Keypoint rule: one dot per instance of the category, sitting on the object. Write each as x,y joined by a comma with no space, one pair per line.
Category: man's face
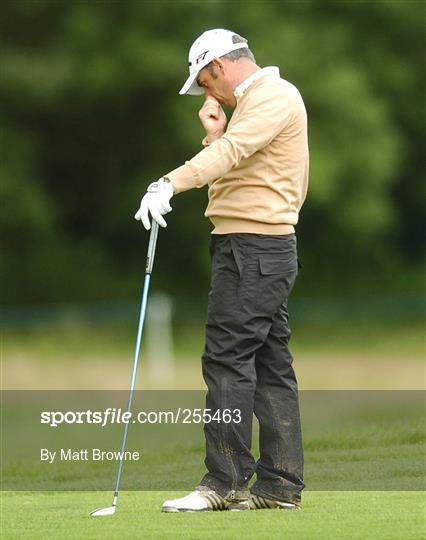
216,82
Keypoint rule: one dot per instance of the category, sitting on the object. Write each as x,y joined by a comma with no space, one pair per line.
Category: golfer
256,169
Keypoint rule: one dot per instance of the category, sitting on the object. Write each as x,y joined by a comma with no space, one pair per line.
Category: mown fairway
364,451
325,515
371,463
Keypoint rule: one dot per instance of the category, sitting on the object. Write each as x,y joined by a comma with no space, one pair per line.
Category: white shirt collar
241,89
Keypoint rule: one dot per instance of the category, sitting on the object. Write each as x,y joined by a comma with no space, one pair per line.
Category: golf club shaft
148,269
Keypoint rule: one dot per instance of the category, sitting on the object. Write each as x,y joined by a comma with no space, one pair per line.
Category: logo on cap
199,58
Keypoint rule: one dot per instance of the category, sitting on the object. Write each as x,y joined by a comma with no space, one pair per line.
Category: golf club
110,510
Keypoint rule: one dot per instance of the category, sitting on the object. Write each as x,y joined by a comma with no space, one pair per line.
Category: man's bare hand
213,118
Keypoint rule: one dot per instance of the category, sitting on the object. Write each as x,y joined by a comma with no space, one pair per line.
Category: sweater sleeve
264,115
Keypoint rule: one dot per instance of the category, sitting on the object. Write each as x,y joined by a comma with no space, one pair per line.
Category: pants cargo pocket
277,275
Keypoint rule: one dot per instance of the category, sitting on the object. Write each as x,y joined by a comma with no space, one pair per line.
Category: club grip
151,247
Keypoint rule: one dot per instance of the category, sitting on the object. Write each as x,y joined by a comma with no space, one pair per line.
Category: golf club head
109,511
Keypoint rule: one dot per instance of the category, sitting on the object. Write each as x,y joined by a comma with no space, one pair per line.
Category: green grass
362,461
352,441
353,449
58,341
325,515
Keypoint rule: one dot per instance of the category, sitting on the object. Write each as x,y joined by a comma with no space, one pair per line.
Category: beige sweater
257,171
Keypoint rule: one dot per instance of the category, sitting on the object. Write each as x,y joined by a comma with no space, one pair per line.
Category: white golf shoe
210,501
197,501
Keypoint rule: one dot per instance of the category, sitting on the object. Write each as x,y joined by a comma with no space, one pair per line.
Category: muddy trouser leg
280,466
252,276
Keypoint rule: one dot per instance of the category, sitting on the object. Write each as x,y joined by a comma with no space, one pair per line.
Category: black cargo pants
247,366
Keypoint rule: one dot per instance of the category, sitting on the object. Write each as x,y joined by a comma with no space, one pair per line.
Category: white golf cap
211,44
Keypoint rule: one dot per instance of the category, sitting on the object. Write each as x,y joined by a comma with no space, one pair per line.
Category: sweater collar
241,89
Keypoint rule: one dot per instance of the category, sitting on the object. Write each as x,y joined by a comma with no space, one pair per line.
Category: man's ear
219,64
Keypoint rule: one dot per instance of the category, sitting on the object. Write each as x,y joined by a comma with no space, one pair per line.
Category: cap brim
191,86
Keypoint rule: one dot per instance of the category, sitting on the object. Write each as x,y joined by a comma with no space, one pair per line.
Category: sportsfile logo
111,415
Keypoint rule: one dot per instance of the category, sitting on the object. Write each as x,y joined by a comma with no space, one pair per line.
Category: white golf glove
156,202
